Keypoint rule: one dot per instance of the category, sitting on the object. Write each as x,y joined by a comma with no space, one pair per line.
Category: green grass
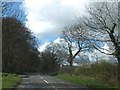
85,81
10,80
0,80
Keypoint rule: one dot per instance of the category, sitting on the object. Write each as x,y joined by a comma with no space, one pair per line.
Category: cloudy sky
47,18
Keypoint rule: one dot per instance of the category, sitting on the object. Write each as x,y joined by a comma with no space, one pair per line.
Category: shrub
102,71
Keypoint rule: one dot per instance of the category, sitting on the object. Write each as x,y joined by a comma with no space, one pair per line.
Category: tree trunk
118,73
118,59
70,60
71,64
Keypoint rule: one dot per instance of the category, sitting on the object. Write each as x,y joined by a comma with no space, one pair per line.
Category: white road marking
46,81
41,77
54,87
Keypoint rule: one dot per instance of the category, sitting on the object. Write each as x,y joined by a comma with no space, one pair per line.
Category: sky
47,18
13,9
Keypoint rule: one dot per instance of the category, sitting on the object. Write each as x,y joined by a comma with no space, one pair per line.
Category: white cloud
77,5
59,40
106,47
48,17
43,46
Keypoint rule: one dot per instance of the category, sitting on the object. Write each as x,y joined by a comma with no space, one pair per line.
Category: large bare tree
103,21
76,41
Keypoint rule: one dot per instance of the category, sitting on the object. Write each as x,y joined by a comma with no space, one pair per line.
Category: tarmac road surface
45,82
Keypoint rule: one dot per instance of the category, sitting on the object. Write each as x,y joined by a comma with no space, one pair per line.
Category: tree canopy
19,48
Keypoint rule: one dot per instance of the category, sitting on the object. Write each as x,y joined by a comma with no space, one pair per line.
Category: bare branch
102,51
78,50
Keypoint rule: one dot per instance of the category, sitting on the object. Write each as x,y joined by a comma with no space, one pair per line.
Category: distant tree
49,62
52,57
59,51
83,60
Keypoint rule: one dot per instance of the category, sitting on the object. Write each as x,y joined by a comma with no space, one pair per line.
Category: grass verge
10,80
85,81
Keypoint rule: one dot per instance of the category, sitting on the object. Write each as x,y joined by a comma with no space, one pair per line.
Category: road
45,82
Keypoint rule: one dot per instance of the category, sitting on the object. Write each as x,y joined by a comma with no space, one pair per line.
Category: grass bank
10,80
85,81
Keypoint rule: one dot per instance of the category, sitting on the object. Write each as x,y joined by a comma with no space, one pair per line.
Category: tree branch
78,50
102,51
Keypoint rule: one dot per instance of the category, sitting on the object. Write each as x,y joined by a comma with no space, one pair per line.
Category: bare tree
103,20
52,57
58,50
76,41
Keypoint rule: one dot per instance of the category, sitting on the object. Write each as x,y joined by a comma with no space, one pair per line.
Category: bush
84,81
5,74
67,69
82,70
102,71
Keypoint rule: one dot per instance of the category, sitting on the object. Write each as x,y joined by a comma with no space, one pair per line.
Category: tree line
19,50
19,47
